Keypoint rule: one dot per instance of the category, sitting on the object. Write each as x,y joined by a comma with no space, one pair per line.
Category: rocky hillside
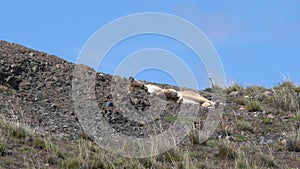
259,127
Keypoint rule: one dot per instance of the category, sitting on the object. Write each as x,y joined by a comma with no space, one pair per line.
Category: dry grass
286,97
232,146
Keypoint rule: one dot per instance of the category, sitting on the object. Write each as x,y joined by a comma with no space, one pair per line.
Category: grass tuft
226,151
3,146
253,106
267,161
244,126
4,89
293,144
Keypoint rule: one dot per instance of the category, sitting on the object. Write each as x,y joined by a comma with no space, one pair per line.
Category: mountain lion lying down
186,96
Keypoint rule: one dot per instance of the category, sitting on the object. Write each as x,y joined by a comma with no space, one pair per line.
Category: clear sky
258,41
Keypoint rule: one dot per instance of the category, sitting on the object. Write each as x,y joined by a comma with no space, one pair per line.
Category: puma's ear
131,79
136,84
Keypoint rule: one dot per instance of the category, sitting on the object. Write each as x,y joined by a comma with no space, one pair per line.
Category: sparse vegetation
3,146
227,150
244,126
253,106
239,100
286,97
267,161
234,88
293,144
4,89
237,144
240,138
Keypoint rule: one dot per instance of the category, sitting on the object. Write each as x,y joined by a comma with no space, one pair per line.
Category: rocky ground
259,126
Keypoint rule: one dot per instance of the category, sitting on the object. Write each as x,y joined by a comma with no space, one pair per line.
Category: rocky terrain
39,124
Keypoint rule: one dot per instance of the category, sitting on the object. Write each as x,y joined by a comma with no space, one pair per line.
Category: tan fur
152,89
184,96
193,96
134,83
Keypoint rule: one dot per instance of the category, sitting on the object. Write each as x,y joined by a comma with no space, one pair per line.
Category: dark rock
44,84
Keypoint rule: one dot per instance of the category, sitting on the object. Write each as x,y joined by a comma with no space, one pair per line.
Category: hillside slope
259,127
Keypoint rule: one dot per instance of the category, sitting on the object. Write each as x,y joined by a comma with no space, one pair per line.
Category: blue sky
258,41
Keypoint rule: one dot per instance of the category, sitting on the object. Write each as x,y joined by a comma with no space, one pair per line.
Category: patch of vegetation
240,138
286,97
239,100
235,143
39,142
244,126
84,136
69,164
234,88
253,106
293,144
267,120
4,89
226,151
19,132
267,161
3,146
170,118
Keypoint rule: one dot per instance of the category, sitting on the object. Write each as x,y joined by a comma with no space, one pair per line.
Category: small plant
267,121
253,107
287,85
293,144
240,138
170,118
297,89
242,161
234,88
19,132
69,164
226,151
53,160
286,97
244,126
194,137
4,89
84,136
3,146
267,160
39,142
239,100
